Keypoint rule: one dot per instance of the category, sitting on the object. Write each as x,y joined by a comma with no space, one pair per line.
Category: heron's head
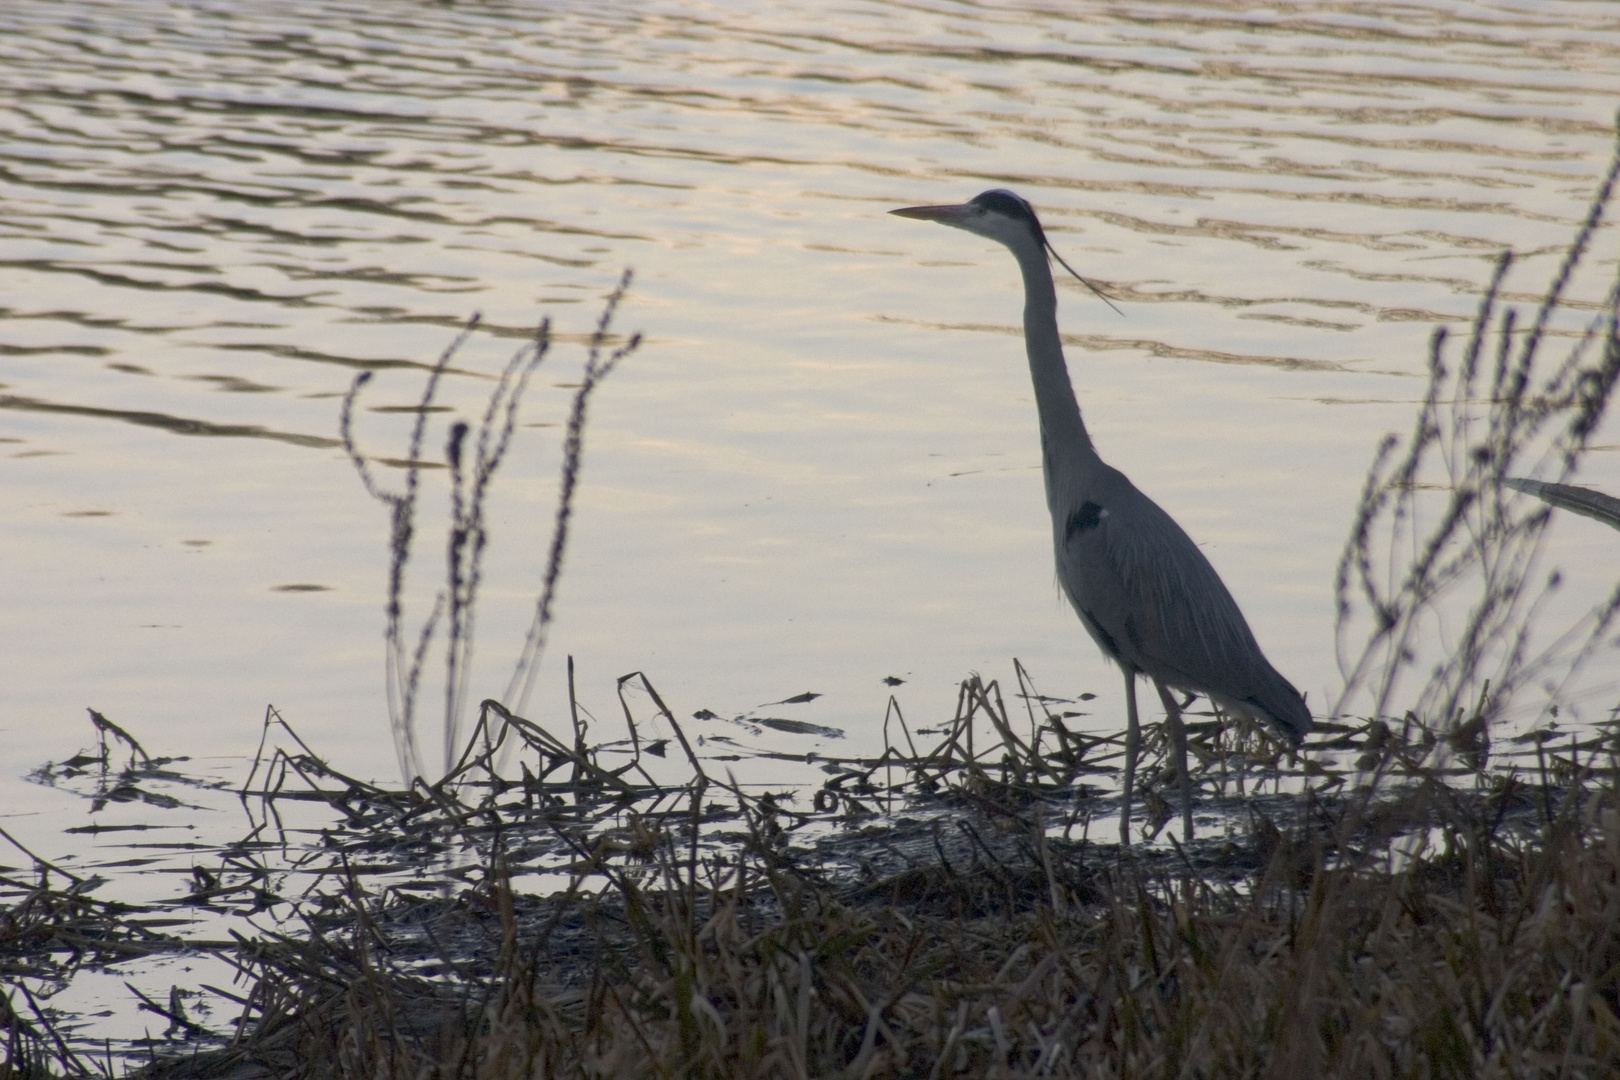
998,214
1005,218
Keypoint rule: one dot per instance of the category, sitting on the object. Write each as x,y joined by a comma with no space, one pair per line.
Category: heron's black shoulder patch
1086,518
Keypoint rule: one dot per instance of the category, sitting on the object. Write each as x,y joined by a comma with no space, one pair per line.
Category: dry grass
1460,925
1490,949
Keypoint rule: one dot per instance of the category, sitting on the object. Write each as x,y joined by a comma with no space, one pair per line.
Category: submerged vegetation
1425,892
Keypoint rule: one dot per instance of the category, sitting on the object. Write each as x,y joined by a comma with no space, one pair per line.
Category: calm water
822,469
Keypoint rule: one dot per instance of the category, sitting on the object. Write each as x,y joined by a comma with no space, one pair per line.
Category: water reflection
177,425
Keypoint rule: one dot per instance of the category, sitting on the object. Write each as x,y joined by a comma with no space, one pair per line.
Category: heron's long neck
1061,425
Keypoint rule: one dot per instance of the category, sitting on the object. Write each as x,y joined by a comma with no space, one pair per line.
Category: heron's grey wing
1141,585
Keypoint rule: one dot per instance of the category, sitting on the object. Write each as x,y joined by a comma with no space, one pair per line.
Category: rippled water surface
822,468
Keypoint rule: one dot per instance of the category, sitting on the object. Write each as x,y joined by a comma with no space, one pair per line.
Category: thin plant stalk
473,456
597,367
402,676
1410,554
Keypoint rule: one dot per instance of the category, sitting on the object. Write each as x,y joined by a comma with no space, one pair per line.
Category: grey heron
1144,592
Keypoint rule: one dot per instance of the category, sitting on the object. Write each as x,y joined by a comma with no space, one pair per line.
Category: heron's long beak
945,215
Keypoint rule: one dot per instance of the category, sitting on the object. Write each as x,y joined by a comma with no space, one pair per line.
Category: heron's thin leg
1178,744
1133,739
